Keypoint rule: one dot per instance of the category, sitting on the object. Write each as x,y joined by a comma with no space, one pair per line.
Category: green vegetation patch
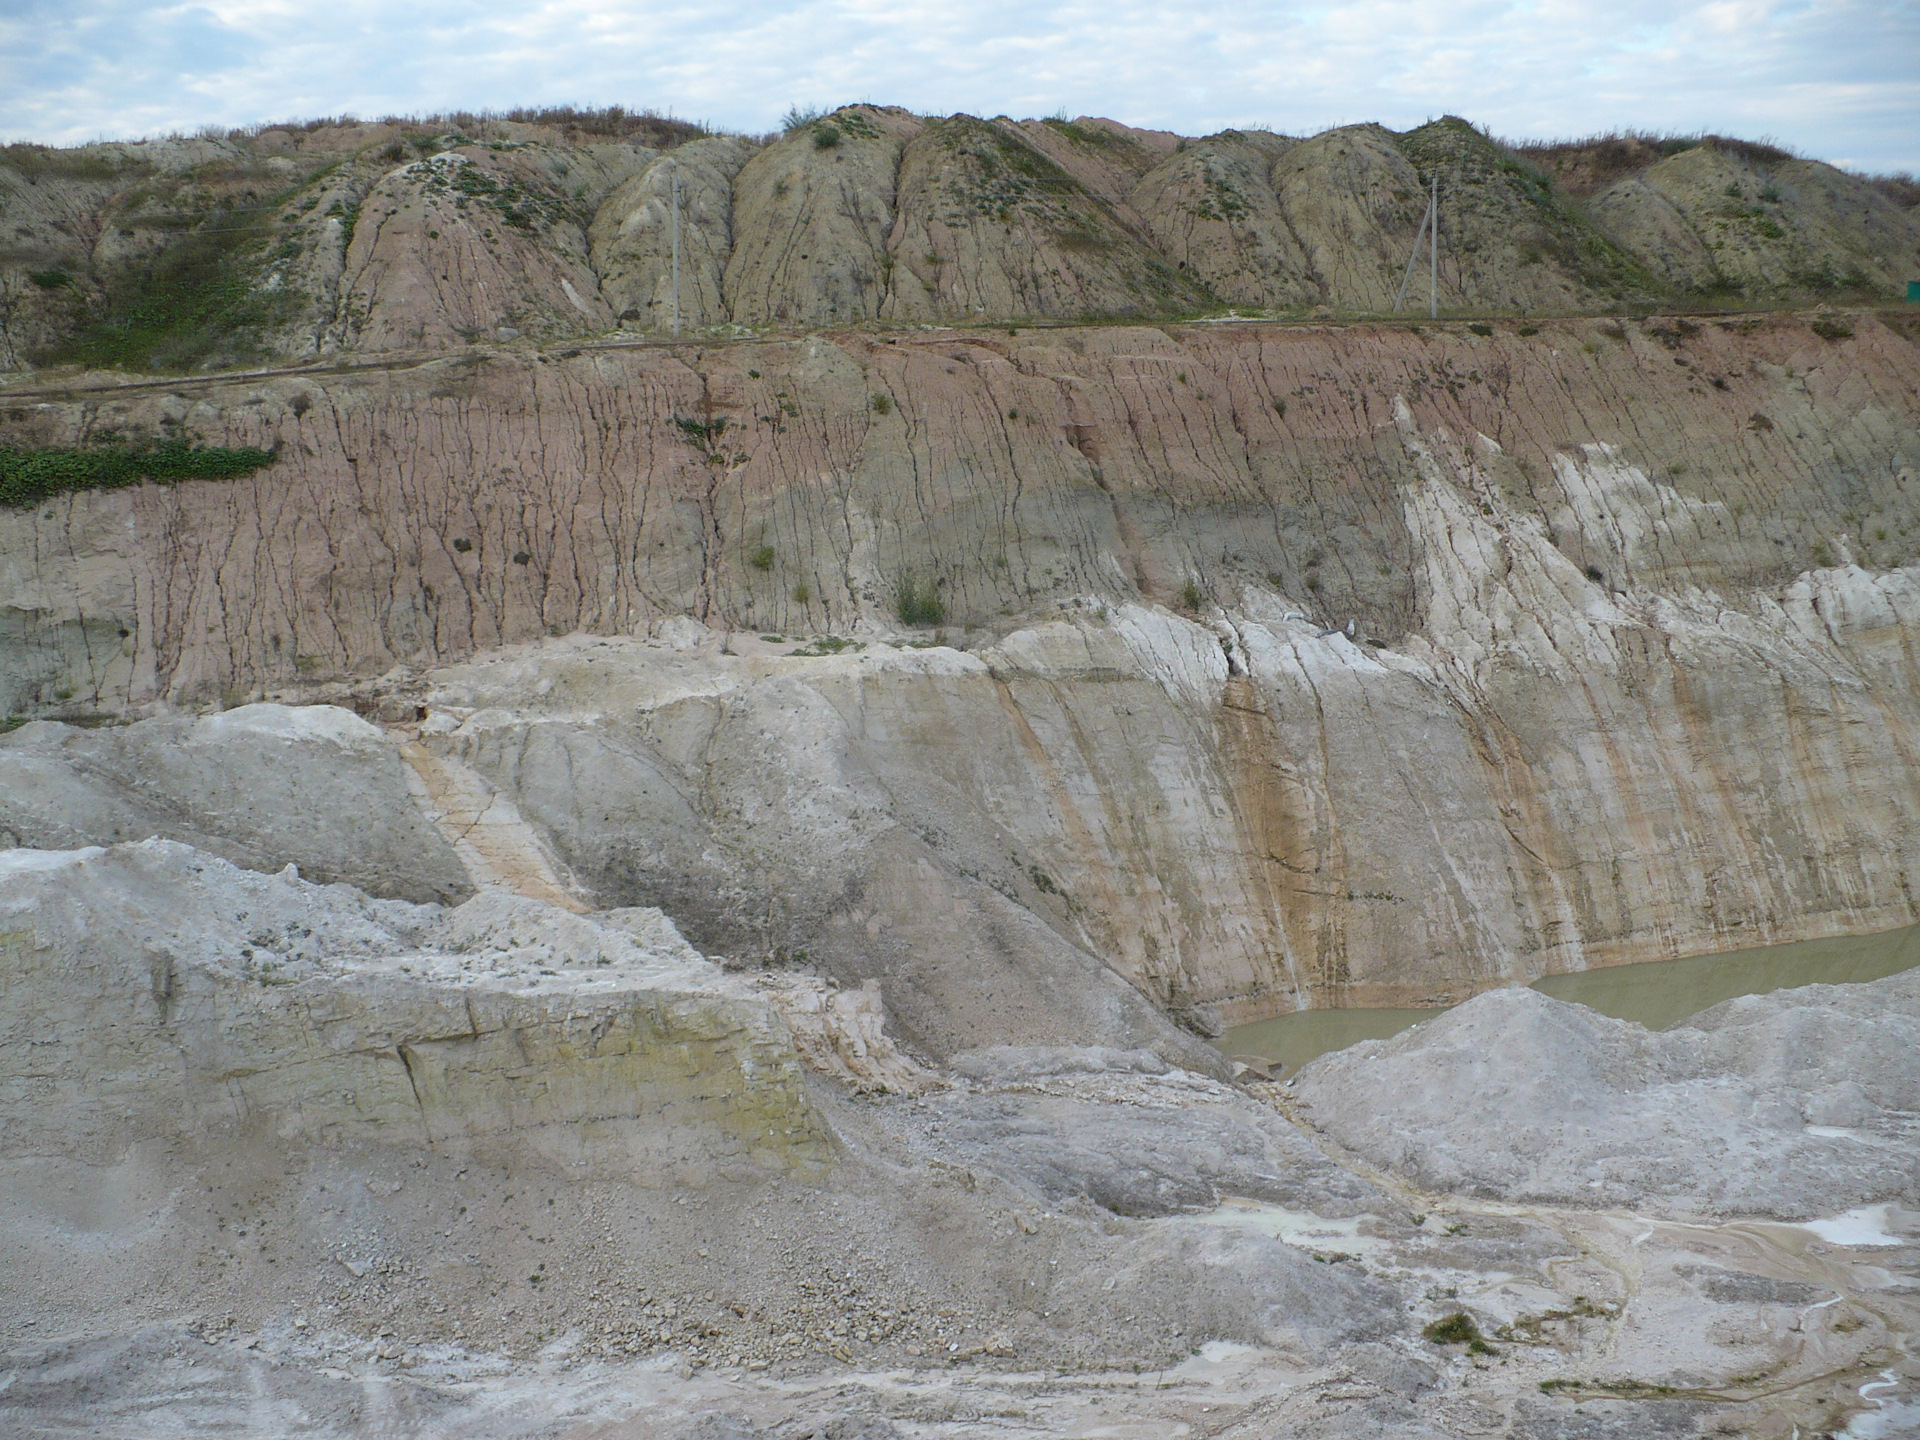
995,176
516,204
1458,1329
829,645
1223,200
918,604
1091,137
851,122
1626,1389
199,302
1005,173
29,476
35,162
1533,1329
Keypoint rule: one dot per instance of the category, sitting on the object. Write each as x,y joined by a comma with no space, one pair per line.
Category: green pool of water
1657,994
1287,1042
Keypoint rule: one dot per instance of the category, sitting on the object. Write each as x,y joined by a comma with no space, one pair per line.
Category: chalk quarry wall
1631,669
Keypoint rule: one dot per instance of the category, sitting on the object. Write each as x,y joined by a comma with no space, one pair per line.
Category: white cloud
1835,78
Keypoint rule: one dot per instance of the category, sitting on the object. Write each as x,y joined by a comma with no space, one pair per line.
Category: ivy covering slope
30,476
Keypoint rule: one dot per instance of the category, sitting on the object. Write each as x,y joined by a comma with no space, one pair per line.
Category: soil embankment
348,239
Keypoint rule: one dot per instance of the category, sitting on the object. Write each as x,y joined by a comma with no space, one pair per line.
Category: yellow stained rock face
361,1028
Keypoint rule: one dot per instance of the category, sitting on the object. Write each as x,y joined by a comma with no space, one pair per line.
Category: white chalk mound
1799,1103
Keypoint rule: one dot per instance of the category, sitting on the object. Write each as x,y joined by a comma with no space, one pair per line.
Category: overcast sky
1837,79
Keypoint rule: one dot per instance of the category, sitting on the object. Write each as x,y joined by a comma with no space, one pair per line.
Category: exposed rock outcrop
1008,806
990,228
1509,242
1620,649
462,245
1354,202
869,763
736,795
1713,219
1214,212
406,1144
1643,220
393,238
1106,157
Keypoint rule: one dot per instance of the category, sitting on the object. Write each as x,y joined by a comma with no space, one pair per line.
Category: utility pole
1433,276
673,170
1429,229
1413,258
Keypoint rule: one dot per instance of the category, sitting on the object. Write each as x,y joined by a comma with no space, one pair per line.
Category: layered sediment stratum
1264,667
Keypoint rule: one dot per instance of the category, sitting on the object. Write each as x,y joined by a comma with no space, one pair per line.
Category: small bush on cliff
30,476
918,604
1458,1329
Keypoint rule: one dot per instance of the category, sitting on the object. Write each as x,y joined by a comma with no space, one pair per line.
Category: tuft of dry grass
575,123
1900,187
1590,163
